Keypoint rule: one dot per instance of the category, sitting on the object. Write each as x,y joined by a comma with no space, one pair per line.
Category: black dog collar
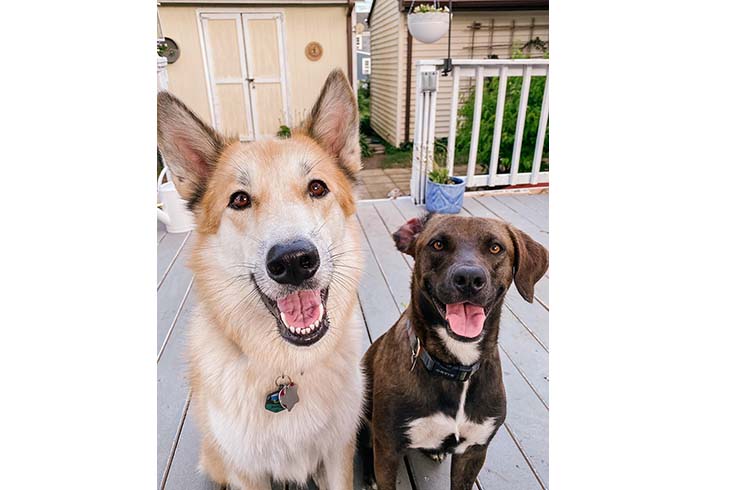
455,372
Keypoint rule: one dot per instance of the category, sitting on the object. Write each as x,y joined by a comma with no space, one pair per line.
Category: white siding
387,56
486,42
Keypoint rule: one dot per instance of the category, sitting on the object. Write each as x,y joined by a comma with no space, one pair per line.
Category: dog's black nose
292,262
469,278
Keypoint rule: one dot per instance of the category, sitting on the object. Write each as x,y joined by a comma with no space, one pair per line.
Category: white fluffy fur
236,352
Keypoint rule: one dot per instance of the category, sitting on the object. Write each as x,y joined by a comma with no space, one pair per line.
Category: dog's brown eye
437,245
240,200
495,248
317,189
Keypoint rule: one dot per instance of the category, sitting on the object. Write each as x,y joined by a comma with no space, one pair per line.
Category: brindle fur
395,394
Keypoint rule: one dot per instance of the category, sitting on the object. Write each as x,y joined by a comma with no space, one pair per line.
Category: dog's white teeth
283,319
321,313
298,330
293,330
309,329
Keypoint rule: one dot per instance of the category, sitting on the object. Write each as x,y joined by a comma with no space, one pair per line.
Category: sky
363,6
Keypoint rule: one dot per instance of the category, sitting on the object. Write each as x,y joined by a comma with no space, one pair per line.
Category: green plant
425,8
365,149
162,48
284,131
440,175
363,105
510,116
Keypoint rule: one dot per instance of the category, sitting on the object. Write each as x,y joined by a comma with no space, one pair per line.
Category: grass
398,159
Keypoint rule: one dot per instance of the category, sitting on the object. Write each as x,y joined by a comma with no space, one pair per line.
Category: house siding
386,56
463,47
302,24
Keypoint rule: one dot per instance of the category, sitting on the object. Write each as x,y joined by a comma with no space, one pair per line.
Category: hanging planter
429,23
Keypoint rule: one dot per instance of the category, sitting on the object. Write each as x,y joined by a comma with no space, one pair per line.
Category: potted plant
444,193
428,23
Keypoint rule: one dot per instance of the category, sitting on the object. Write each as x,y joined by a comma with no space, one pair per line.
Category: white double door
245,60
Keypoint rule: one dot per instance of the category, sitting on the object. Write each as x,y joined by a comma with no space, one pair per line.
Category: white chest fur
429,432
288,445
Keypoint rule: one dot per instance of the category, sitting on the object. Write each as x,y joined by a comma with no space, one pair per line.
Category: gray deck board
160,230
517,457
184,473
168,248
533,315
172,386
171,293
527,419
527,354
375,296
391,261
522,207
503,211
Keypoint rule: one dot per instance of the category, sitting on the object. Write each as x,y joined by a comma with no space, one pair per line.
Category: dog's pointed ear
530,262
190,147
335,123
405,236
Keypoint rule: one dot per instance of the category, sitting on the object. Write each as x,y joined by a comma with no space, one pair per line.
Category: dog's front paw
438,457
370,484
434,455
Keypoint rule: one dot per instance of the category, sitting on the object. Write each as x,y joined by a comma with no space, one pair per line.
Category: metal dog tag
288,396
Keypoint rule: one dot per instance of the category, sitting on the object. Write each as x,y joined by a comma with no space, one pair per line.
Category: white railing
427,84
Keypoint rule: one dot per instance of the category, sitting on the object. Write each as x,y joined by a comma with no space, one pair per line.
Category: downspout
409,68
350,44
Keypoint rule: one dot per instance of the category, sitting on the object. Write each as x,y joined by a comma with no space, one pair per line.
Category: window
358,38
366,66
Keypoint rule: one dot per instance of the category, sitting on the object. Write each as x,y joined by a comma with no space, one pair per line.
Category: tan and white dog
276,265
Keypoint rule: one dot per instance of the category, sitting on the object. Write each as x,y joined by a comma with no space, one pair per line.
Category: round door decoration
314,51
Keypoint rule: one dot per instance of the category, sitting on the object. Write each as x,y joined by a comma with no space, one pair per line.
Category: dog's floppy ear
334,123
189,146
531,260
405,236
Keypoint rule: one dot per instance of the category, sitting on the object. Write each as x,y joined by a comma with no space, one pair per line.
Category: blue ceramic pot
445,198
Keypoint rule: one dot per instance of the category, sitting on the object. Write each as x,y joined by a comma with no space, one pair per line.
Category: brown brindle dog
434,379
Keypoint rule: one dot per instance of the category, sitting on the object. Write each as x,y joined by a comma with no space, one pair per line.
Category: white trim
504,179
242,15
202,44
285,92
245,73
247,45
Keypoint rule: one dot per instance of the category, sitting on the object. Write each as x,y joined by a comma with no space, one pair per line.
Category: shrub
365,150
363,105
510,115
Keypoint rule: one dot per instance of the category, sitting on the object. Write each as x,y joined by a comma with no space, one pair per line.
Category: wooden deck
518,456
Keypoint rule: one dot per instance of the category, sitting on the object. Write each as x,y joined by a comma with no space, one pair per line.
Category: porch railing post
451,141
423,135
541,135
425,122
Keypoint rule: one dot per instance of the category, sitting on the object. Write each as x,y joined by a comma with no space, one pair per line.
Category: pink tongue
466,319
301,308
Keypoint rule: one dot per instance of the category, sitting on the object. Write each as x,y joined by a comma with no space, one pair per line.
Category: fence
427,82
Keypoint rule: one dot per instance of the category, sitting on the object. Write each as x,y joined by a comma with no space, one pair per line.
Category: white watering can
175,215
